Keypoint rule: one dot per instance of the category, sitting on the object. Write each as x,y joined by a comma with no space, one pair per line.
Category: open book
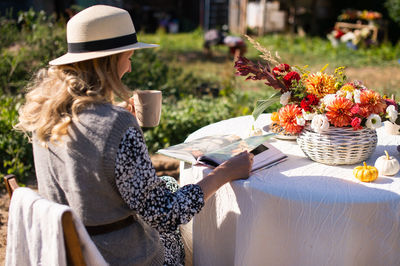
212,151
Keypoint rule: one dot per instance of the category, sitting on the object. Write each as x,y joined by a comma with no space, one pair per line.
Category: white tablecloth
298,212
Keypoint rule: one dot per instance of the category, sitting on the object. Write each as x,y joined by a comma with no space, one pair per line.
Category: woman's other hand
238,167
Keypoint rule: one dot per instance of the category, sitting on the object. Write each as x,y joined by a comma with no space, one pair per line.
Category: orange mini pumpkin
366,173
275,117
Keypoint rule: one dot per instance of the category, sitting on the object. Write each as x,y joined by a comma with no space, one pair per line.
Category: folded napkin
35,234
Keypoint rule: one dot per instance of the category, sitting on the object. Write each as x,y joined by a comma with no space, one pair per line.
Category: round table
298,212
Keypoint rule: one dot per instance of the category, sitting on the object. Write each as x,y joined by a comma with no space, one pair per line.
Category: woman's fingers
131,106
239,166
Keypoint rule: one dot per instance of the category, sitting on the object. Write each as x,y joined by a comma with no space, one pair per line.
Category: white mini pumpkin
387,165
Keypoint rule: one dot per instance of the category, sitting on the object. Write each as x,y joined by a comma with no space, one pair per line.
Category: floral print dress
159,201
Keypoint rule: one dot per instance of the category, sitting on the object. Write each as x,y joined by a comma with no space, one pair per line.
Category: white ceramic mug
148,107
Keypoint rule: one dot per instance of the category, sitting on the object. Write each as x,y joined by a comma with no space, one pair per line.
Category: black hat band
101,45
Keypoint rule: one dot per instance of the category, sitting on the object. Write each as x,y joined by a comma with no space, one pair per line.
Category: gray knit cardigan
79,172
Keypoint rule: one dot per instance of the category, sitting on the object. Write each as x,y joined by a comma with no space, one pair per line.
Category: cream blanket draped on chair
35,233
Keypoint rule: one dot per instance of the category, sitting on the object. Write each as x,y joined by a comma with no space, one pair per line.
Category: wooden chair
72,244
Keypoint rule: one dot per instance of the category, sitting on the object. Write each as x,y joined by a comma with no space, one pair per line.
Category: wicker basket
338,145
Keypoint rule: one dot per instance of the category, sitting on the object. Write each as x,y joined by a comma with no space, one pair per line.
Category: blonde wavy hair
57,94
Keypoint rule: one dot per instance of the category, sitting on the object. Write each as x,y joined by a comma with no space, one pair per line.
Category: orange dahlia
372,101
320,84
339,112
288,118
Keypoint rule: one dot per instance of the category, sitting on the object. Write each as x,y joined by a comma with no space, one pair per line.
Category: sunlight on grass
377,67
293,49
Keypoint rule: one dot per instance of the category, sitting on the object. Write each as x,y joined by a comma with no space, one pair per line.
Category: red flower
305,105
280,70
287,79
312,99
356,123
338,33
307,101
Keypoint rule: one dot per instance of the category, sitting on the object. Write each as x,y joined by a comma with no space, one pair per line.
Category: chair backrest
72,243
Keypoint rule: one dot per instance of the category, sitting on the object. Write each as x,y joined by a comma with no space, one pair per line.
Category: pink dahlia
356,123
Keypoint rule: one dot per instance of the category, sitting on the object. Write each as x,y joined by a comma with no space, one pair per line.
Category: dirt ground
163,165
4,202
383,79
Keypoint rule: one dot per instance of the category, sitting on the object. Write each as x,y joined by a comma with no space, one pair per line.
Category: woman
90,154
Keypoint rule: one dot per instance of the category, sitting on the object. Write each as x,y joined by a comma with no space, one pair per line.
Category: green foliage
319,51
27,45
9,33
181,118
393,8
15,151
175,43
263,105
151,73
14,70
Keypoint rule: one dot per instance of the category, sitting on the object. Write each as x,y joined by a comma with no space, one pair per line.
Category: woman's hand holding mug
131,106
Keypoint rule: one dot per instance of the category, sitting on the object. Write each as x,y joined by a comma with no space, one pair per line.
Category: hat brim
69,58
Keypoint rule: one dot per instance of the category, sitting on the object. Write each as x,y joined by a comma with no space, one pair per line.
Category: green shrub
44,35
9,32
14,70
15,150
393,8
151,73
181,118
29,44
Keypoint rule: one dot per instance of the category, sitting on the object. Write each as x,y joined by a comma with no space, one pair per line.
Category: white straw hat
99,31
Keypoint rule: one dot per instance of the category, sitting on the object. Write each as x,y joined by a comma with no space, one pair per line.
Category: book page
217,157
268,156
191,151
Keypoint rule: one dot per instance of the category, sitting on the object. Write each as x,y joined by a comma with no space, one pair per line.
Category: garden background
197,89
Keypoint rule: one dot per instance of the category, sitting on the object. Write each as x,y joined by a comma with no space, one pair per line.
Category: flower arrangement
352,38
352,14
364,32
320,100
